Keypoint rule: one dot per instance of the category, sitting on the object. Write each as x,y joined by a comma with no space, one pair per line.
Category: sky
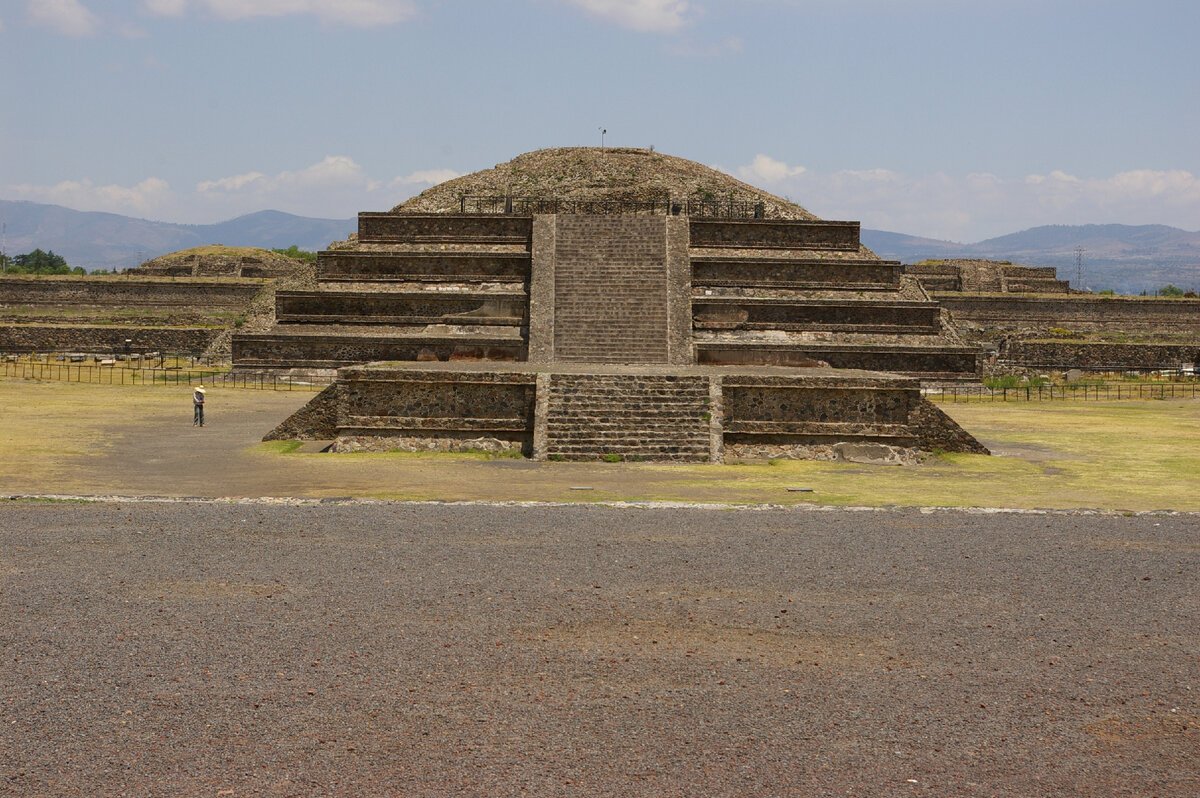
952,119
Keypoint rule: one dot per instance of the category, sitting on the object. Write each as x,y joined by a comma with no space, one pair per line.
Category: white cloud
765,169
357,13
644,16
727,46
428,177
335,172
165,8
68,17
147,199
977,206
334,187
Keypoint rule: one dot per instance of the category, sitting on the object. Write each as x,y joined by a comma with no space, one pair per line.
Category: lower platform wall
384,409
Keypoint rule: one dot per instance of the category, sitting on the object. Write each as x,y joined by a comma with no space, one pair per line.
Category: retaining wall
423,266
750,314
392,228
92,291
795,273
39,338
266,350
425,307
1076,313
1097,356
777,234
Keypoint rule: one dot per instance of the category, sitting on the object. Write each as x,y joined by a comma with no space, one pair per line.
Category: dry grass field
63,438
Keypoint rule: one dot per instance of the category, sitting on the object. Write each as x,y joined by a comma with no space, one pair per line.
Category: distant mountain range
1129,259
107,240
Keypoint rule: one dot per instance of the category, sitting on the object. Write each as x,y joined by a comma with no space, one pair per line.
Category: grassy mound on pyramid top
593,173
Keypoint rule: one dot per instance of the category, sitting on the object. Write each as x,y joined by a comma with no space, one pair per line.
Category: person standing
198,406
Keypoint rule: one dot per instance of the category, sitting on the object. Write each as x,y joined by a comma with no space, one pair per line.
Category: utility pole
1079,267
602,134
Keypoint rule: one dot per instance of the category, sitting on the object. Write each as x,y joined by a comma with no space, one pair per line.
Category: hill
107,240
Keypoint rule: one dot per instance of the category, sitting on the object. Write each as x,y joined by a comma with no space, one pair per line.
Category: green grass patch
280,447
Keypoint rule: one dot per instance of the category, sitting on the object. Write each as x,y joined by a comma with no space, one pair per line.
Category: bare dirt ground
220,648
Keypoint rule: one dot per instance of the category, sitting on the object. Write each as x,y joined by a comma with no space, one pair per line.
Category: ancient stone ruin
987,276
625,305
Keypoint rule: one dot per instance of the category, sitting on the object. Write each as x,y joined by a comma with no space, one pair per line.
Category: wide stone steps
627,417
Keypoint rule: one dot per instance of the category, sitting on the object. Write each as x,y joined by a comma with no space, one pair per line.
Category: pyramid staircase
627,417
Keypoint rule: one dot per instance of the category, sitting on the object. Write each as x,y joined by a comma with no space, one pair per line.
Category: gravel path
419,650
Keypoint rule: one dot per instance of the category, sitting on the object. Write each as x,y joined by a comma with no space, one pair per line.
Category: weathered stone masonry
613,314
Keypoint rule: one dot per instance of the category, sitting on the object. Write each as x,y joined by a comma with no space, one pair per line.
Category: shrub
299,254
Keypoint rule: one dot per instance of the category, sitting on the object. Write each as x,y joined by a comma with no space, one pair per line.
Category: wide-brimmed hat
200,388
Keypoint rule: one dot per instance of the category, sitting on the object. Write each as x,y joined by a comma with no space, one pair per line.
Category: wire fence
123,374
131,373
1064,393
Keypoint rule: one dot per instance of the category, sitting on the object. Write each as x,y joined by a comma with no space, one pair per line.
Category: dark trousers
198,416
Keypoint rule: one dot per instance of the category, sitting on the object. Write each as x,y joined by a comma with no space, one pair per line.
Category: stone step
602,447
648,431
653,406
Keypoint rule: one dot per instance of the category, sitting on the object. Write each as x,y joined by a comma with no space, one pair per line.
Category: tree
38,262
1171,291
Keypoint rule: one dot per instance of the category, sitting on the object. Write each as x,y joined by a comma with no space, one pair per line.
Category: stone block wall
424,307
1078,313
391,228
382,409
105,340
686,415
775,234
781,416
116,292
945,362
856,316
795,273
271,350
1063,355
424,400
424,266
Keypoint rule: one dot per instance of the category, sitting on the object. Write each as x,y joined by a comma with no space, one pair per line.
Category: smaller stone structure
988,276
218,261
101,314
